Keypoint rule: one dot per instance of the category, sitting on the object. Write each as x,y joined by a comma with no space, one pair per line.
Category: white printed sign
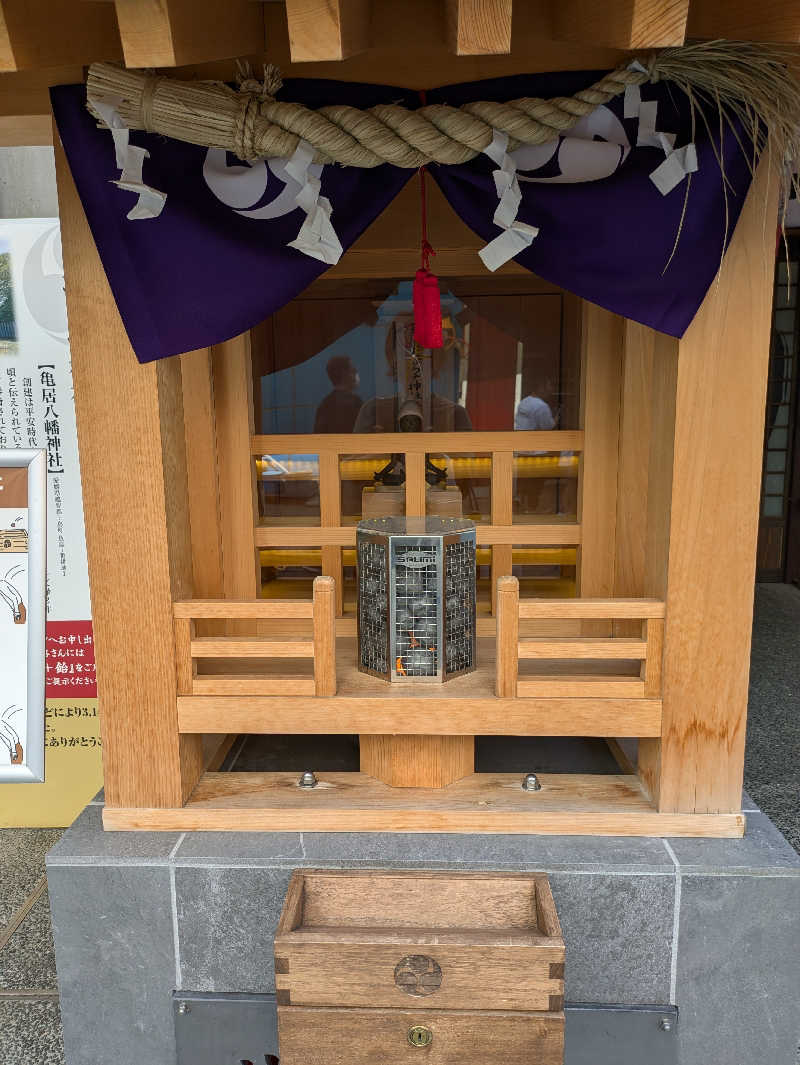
36,397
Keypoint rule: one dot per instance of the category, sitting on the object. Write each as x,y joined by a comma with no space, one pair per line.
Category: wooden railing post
502,514
324,636
651,667
184,665
507,652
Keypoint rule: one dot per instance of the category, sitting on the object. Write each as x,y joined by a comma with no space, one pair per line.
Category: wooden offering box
410,966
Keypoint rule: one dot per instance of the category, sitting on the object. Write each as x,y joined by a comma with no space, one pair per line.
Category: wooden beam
19,130
323,30
48,33
622,23
26,94
408,47
345,536
569,804
439,716
479,27
722,368
171,33
146,762
745,20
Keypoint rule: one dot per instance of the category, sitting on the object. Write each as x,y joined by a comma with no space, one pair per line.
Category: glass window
545,571
545,483
289,572
341,358
373,486
288,489
460,486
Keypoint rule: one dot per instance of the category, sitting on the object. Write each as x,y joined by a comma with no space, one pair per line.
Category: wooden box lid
427,940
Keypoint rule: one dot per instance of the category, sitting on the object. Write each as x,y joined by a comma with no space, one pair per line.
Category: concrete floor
30,1027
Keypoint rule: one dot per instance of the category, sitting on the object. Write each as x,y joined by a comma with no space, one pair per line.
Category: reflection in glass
288,489
343,359
466,490
545,483
289,572
362,496
545,571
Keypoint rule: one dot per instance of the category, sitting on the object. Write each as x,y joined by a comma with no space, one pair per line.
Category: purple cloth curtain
610,240
214,263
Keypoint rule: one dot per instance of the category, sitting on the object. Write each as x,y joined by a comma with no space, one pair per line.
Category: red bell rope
426,249
426,299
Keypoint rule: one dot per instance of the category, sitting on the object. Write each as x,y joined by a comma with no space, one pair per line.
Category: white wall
28,183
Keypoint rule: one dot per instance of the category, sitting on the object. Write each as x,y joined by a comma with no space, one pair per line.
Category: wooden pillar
200,433
715,480
133,471
238,505
601,379
415,484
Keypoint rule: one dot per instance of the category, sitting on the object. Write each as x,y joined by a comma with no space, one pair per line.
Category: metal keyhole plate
420,1036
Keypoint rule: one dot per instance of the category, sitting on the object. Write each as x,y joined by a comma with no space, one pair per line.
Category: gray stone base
711,926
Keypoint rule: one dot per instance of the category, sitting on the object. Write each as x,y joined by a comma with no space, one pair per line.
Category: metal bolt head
530,782
665,1024
307,780
184,1007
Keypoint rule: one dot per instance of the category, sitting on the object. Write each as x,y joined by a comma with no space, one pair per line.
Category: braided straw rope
254,125
748,82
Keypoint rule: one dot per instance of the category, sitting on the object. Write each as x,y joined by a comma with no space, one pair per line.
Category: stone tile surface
30,1033
738,980
22,852
114,942
239,847
618,935
763,849
226,924
492,851
28,960
85,843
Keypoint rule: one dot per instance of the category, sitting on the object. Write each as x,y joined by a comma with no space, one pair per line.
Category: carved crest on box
418,975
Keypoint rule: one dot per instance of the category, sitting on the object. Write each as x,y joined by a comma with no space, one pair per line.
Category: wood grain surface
380,1037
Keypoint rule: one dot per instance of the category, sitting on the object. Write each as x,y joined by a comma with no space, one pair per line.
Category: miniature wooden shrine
620,607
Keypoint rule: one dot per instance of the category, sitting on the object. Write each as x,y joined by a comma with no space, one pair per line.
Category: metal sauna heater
416,598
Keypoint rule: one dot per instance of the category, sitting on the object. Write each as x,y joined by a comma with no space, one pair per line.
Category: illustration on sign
22,613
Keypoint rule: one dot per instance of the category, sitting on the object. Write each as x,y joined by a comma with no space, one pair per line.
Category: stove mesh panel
417,596
373,603
459,606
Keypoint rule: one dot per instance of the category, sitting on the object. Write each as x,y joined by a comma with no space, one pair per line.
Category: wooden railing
647,648
320,646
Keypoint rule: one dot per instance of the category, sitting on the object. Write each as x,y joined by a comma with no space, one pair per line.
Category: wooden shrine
655,555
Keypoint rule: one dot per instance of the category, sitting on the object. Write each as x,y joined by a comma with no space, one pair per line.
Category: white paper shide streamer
516,236
130,160
317,236
678,162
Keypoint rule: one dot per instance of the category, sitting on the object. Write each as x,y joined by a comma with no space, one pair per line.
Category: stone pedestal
709,926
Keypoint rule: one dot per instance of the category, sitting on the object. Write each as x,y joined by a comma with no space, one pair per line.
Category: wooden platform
568,804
